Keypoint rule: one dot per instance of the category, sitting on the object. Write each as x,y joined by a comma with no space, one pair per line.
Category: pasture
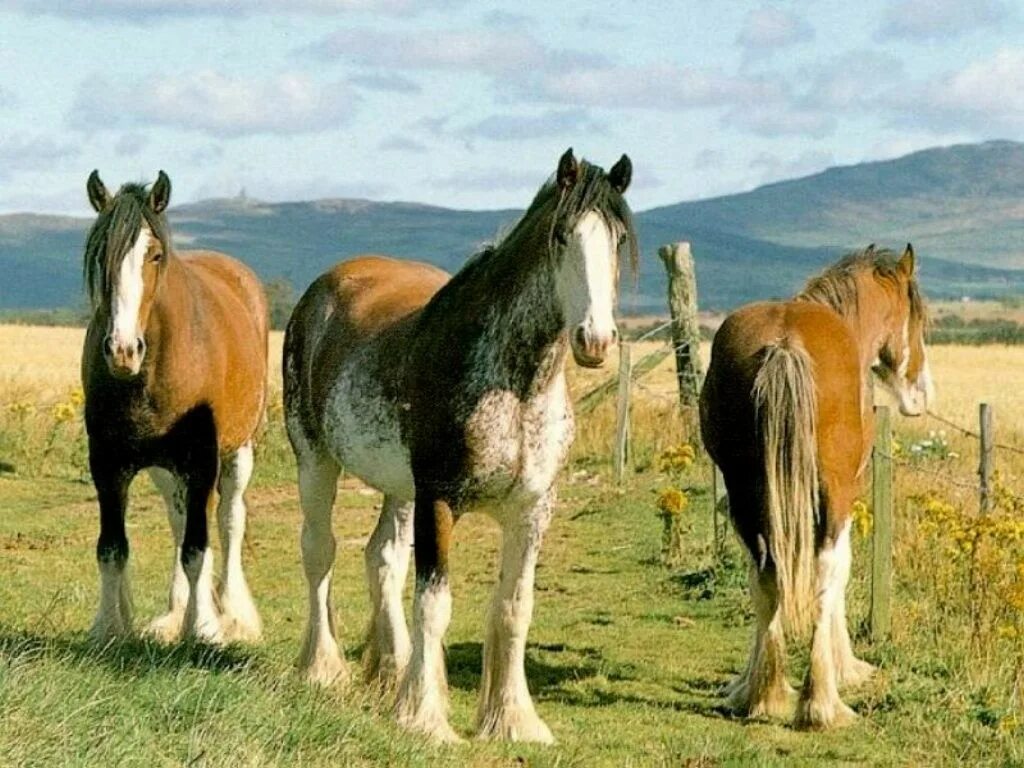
625,654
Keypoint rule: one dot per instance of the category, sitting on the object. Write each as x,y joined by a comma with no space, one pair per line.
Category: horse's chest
517,447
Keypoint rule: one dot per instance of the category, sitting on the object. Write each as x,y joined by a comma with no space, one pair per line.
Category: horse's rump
353,303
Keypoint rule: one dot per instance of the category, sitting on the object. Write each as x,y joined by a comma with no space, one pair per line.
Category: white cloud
387,82
517,127
490,51
773,120
19,153
940,19
774,168
984,95
768,28
657,86
130,144
396,143
216,104
140,10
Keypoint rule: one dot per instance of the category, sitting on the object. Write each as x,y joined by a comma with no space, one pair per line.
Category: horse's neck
521,343
870,321
171,329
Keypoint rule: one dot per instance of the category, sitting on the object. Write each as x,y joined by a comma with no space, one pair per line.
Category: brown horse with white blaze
174,370
786,413
449,396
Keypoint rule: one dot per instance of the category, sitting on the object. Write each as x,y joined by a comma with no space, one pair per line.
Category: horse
449,396
174,370
786,413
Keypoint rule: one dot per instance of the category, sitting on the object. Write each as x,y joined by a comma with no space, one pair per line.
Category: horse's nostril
579,336
615,335
108,344
140,346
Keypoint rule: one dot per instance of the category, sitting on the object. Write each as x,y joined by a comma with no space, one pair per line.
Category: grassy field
625,656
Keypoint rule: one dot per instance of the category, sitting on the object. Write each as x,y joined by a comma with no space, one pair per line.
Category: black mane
114,232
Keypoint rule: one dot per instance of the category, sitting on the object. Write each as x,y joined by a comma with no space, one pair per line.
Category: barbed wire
971,433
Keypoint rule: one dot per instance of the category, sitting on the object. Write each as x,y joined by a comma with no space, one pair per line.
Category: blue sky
469,104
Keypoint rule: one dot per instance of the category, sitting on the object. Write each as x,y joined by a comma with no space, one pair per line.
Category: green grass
625,656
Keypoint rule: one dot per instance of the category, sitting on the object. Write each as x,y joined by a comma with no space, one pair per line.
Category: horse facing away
449,396
786,413
174,370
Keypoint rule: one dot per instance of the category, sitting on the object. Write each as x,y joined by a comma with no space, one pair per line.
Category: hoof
822,716
240,621
383,671
104,631
515,724
432,725
166,628
775,702
854,672
324,669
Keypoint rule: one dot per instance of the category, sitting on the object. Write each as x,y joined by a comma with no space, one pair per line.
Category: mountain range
961,206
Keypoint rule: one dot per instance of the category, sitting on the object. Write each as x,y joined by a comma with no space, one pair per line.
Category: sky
469,104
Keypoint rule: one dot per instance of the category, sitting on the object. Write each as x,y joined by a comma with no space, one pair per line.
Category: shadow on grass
135,656
586,679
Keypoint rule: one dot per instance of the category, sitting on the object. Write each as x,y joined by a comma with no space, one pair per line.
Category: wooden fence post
985,460
621,448
881,540
682,303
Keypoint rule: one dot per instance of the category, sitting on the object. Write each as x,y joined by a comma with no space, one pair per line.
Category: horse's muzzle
589,350
124,361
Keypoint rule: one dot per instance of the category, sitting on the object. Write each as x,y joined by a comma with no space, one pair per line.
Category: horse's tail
787,417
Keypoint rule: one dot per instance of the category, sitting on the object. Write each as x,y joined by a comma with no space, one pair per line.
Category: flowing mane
115,231
563,208
836,287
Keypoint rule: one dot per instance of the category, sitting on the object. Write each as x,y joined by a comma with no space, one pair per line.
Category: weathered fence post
985,460
682,303
621,448
881,540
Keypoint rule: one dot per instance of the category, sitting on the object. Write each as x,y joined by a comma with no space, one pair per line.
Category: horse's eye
156,257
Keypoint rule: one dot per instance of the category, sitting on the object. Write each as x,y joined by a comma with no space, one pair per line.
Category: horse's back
352,305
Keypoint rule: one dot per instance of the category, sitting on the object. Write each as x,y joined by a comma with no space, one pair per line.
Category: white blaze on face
587,283
128,291
914,396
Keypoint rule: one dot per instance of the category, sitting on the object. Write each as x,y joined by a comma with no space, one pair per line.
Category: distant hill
963,207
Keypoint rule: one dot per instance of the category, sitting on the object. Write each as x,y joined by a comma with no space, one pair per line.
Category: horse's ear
870,250
568,170
98,195
621,174
160,194
906,264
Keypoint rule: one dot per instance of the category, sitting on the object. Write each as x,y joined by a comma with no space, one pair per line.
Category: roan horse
786,413
175,374
449,396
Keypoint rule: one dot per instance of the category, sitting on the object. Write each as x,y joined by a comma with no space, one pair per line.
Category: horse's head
902,364
125,257
592,225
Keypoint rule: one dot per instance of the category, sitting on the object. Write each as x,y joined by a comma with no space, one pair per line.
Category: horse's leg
319,659
765,692
387,562
168,626
239,618
820,705
114,617
506,710
201,619
423,695
850,670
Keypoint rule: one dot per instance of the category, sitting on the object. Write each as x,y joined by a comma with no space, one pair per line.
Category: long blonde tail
787,417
